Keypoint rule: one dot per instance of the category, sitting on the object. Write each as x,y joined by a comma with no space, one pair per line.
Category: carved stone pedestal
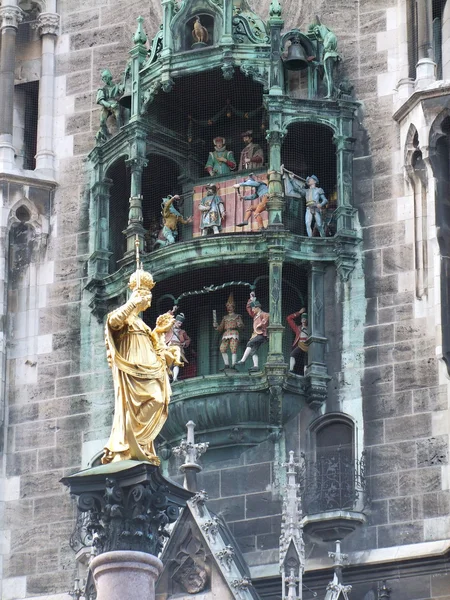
123,575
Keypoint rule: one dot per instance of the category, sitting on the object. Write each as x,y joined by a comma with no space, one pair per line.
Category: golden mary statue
140,362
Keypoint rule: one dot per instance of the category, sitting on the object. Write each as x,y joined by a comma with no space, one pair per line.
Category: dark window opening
26,123
118,211
411,26
437,23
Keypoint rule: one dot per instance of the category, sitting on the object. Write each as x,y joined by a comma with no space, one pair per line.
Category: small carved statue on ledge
229,326
261,191
260,333
212,211
107,98
298,356
199,33
178,339
171,218
331,56
140,362
221,161
316,200
252,156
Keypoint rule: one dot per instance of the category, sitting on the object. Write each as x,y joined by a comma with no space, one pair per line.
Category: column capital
10,16
48,23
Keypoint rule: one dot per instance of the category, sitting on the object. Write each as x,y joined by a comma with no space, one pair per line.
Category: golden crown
141,280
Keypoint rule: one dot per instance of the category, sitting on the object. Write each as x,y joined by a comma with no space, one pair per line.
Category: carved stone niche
190,571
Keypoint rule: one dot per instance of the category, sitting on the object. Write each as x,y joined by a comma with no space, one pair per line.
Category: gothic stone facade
391,381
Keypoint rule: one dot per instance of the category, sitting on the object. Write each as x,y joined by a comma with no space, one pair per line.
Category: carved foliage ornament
10,16
48,24
191,571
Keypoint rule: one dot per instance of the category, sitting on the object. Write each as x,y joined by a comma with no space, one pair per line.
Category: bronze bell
125,101
296,57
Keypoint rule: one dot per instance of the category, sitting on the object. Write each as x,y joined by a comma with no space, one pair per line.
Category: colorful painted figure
212,211
221,161
298,356
171,218
261,191
177,337
315,198
252,156
259,335
229,326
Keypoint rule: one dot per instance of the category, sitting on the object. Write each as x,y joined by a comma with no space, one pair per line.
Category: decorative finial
140,36
275,8
191,452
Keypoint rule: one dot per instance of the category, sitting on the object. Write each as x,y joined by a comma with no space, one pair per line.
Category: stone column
48,25
101,255
10,17
316,371
126,575
425,68
276,328
275,206
138,54
276,82
135,215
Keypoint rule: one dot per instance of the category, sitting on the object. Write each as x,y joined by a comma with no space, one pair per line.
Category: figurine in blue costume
221,161
212,211
315,198
260,192
171,218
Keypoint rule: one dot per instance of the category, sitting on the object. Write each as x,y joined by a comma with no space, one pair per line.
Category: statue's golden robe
139,360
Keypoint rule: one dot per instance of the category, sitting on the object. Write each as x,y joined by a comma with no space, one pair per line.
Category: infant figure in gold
140,361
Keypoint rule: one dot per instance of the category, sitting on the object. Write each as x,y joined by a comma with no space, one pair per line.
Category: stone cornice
441,88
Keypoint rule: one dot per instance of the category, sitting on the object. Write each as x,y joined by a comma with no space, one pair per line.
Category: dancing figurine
171,218
316,200
261,191
259,335
178,338
229,326
298,356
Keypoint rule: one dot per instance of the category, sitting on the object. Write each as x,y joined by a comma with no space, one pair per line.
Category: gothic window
331,472
440,161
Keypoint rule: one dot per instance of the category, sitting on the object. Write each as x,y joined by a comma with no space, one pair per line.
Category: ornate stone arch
439,153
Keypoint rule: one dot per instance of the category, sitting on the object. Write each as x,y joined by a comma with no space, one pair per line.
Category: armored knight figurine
298,356
171,218
259,335
221,161
252,156
212,211
229,327
315,198
261,191
107,98
176,337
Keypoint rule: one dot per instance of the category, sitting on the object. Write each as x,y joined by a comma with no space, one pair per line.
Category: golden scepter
138,263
